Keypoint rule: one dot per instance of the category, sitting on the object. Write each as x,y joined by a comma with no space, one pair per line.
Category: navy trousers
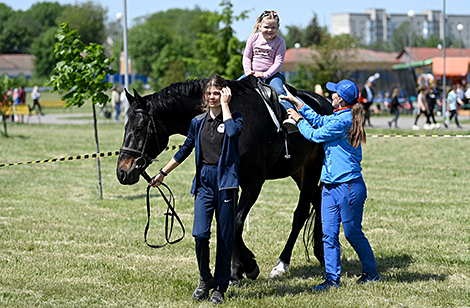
345,203
210,200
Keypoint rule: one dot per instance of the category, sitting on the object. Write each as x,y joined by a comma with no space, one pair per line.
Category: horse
155,117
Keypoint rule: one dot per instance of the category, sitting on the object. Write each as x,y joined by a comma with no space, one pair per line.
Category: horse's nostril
121,175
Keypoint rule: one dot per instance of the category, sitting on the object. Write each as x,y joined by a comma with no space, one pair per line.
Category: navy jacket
229,158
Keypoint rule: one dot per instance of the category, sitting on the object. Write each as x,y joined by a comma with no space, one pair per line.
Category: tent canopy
455,66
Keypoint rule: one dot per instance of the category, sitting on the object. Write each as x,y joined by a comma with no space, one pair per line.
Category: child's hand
291,113
288,95
259,74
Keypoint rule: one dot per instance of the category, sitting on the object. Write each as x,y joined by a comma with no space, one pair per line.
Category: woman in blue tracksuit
214,135
344,191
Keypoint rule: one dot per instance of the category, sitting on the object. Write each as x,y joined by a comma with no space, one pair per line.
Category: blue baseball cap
347,89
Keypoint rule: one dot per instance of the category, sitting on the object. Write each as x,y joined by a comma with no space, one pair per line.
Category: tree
309,36
81,74
5,101
88,19
16,36
145,46
329,63
19,29
42,15
222,51
43,49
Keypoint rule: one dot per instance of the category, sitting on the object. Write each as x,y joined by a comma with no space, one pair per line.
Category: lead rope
170,212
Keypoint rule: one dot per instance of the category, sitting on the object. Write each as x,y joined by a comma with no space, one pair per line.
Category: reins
170,212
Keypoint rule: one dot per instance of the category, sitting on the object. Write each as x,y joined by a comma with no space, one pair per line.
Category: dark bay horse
153,118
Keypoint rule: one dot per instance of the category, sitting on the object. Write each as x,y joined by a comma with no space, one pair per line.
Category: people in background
422,107
116,102
453,101
367,95
35,95
394,108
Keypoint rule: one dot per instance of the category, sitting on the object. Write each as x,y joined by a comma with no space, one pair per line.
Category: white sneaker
290,124
427,126
415,127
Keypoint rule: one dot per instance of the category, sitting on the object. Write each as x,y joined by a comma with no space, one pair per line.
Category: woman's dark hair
356,133
214,81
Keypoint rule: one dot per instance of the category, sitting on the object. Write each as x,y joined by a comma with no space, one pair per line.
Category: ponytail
356,133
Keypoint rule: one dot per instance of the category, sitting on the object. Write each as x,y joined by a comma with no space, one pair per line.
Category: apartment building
376,25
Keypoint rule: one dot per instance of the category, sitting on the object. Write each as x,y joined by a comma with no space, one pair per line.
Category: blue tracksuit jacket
342,161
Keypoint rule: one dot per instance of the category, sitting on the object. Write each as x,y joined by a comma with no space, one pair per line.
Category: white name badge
221,128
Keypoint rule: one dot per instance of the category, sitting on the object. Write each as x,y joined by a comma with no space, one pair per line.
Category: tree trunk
98,167
4,117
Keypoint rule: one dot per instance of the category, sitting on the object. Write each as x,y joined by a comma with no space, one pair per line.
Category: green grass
61,246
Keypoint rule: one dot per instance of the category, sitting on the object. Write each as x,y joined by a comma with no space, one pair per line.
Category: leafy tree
313,33
329,63
16,36
81,74
5,84
19,29
42,15
308,36
166,39
43,49
5,13
222,51
145,46
88,19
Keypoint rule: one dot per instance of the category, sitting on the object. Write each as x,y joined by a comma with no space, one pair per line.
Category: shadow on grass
290,284
136,197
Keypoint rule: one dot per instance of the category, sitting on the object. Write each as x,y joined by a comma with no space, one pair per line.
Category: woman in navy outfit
214,135
344,191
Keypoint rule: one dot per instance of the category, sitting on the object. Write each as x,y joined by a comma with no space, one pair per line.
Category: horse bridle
142,161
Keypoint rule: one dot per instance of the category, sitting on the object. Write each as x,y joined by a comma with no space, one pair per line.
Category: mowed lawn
62,246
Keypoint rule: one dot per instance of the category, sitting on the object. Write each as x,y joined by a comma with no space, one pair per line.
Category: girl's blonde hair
266,15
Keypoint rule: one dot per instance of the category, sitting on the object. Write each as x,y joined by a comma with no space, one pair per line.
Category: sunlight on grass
61,246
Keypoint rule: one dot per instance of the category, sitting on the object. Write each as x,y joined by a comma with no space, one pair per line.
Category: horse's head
144,138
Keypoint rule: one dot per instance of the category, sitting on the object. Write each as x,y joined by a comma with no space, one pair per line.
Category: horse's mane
167,98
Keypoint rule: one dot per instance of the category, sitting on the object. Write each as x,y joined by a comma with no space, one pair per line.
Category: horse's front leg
243,260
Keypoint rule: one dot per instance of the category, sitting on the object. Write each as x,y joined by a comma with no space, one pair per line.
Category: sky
291,12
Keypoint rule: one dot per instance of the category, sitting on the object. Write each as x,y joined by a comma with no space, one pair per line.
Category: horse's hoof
279,270
254,274
234,282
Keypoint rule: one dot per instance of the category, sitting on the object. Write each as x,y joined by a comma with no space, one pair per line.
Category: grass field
61,246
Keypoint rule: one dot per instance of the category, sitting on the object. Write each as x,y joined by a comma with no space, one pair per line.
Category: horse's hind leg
301,215
243,260
307,181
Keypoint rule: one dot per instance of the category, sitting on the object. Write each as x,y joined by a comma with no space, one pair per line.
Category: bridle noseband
142,159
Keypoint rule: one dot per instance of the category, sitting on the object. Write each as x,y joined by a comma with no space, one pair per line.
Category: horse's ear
138,98
128,95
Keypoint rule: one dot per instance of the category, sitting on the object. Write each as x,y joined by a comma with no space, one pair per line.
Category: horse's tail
313,228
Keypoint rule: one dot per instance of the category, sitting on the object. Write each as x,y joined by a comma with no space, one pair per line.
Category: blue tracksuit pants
210,200
344,203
